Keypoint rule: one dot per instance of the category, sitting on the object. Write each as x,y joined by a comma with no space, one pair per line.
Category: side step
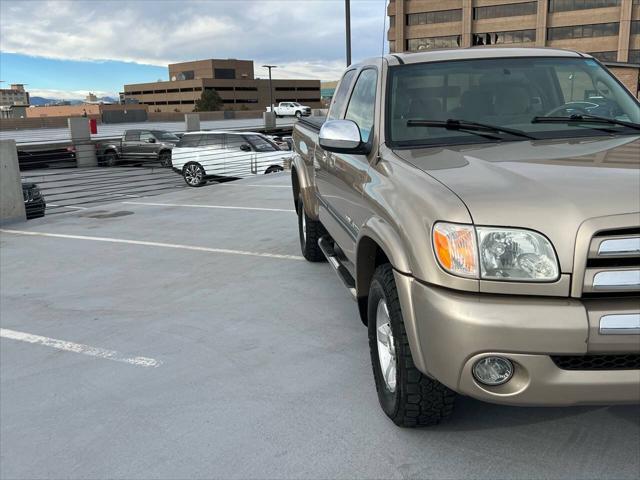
326,245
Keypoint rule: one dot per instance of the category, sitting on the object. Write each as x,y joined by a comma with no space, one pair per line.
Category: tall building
234,81
15,95
607,29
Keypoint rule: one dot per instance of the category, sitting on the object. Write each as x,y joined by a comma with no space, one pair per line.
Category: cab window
132,136
145,136
363,101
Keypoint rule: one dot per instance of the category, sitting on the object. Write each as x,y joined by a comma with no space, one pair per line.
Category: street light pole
347,14
270,85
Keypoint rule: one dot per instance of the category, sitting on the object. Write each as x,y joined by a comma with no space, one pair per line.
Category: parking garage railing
66,187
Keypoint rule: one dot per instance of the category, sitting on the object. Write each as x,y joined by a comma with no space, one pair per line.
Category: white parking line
78,348
210,206
66,206
154,244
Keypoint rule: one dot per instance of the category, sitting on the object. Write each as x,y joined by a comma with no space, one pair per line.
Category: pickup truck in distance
482,206
136,146
290,109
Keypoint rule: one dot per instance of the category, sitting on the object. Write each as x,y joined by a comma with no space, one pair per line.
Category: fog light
493,370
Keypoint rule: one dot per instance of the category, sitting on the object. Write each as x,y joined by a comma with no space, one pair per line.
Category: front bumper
35,208
449,331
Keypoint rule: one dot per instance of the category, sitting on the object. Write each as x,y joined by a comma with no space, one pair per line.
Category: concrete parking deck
182,336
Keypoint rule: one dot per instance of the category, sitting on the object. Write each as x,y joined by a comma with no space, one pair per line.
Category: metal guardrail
40,136
67,188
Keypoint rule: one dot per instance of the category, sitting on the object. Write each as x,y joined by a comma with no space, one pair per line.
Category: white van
208,155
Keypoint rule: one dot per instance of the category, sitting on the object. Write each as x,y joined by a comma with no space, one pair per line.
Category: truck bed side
305,144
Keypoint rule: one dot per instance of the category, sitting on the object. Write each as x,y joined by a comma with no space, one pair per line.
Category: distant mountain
39,101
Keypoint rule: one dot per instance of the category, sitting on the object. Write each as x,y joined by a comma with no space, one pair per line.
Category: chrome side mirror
341,136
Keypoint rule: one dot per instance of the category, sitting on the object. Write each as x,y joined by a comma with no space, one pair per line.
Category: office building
15,95
234,80
607,29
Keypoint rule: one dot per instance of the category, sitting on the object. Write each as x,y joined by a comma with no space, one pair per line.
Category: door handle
329,159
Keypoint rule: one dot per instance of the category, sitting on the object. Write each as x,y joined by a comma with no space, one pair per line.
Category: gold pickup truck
482,206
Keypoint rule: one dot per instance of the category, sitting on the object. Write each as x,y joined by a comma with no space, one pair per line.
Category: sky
64,49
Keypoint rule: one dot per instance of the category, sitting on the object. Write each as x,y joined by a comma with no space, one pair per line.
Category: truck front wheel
298,114
407,396
310,232
109,159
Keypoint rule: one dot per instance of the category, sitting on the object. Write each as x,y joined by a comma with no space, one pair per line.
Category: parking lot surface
182,336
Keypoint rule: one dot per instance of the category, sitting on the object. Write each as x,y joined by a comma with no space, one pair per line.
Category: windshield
506,92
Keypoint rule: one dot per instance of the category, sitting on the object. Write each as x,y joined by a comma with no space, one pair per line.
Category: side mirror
245,147
151,140
341,136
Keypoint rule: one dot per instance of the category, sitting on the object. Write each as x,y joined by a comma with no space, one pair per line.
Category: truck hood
547,186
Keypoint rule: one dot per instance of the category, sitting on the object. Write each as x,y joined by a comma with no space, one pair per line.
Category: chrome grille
613,263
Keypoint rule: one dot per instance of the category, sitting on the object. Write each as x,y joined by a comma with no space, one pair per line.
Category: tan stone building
607,29
92,110
234,80
15,95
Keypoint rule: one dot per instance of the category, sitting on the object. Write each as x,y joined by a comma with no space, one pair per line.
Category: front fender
378,233
304,186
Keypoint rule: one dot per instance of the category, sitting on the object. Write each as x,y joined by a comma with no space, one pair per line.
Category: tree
210,101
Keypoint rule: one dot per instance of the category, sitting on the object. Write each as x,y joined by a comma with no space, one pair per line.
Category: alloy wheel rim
193,175
386,346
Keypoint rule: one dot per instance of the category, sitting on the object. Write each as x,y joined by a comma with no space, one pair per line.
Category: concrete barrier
81,139
11,199
191,122
269,119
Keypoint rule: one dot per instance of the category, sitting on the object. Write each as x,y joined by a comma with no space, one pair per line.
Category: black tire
298,114
416,400
165,159
194,174
109,159
310,232
274,169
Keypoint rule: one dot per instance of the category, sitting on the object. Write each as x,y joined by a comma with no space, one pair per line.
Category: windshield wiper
585,118
464,125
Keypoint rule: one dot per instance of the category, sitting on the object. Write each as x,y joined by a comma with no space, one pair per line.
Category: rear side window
260,144
235,141
189,141
340,96
212,141
362,104
132,136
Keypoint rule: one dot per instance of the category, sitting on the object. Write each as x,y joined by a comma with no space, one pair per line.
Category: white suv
202,156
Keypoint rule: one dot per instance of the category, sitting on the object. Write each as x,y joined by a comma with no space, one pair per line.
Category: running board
326,246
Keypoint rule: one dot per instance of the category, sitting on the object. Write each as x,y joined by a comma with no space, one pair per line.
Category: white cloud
304,37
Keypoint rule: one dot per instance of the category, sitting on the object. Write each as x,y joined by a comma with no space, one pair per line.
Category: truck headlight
507,254
493,253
